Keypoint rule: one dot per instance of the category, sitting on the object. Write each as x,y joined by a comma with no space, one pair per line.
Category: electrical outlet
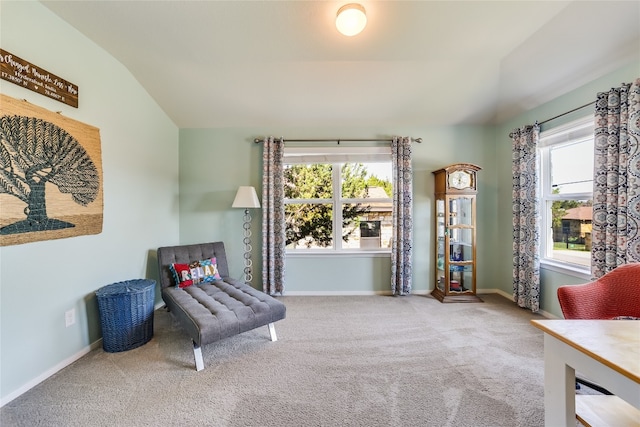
70,317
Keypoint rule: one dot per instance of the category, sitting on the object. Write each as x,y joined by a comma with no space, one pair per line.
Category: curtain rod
338,140
568,112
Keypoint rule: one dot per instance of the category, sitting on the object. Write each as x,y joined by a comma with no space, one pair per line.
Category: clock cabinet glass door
441,228
455,234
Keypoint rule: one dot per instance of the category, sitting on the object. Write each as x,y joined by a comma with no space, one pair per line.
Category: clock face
460,179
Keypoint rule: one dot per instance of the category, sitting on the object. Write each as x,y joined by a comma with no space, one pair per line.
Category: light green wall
205,201
214,162
40,281
549,280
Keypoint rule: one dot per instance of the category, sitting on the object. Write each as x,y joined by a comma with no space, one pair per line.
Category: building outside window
566,154
338,199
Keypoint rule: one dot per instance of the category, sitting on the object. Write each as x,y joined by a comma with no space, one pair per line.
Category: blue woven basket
126,314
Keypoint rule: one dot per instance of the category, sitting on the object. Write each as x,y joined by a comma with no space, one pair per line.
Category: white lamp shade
246,197
351,19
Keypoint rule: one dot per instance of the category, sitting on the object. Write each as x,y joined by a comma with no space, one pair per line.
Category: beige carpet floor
339,361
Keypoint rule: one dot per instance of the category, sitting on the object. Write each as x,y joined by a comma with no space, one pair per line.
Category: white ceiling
283,63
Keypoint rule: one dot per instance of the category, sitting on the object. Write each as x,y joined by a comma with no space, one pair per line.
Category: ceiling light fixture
351,19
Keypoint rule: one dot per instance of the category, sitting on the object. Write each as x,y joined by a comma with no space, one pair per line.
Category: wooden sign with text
23,73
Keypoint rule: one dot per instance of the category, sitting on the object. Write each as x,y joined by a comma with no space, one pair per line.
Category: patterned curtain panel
526,217
616,183
273,220
402,234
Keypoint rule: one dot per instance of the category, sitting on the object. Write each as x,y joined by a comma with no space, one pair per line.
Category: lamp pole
246,198
248,263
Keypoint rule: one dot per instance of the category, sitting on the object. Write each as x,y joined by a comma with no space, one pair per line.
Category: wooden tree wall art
50,175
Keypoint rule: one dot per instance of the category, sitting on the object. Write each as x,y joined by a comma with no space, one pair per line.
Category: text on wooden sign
23,73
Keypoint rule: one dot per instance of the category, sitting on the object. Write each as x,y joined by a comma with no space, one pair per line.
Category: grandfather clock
455,213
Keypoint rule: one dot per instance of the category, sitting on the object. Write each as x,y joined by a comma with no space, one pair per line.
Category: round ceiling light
351,19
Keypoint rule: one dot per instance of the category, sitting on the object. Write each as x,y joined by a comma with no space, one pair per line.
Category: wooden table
605,351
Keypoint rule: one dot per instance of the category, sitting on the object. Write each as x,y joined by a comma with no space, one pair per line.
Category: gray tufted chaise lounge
214,310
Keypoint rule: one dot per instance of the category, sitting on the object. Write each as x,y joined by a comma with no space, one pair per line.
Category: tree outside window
327,200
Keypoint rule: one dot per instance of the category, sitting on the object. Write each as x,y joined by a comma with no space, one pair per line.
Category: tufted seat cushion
220,309
211,311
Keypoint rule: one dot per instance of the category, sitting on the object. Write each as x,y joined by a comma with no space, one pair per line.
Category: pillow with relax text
195,272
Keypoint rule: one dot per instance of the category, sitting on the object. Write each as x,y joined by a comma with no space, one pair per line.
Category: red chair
612,296
616,294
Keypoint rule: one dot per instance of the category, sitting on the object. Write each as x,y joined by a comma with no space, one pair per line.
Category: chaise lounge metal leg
197,353
272,332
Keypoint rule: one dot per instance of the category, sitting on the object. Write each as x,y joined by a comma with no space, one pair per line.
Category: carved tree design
34,152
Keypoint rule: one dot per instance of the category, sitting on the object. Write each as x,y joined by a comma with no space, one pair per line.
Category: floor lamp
246,198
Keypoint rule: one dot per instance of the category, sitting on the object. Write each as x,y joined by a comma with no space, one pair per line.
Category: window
567,195
338,199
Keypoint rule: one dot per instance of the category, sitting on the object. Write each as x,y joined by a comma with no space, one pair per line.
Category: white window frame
336,156
578,130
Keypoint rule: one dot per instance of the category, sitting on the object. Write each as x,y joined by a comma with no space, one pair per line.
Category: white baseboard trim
346,293
510,298
34,382
66,362
333,293
365,293
494,291
548,315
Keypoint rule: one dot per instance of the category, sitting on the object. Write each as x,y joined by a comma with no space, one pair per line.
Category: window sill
565,268
353,254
